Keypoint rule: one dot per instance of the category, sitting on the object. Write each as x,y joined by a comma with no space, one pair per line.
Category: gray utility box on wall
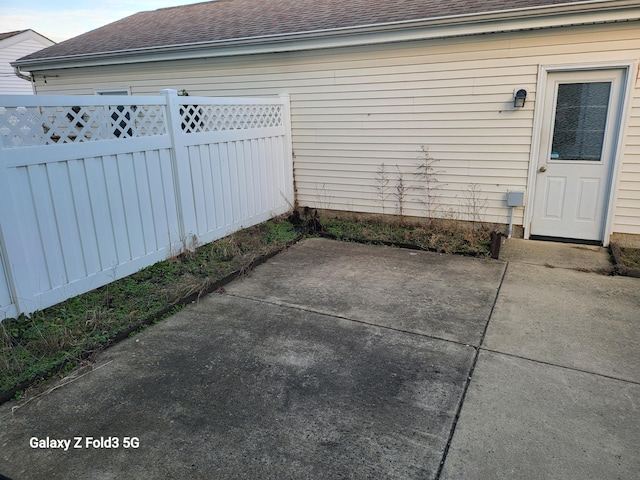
515,199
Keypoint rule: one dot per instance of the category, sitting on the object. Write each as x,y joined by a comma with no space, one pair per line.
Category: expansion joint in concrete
471,371
564,367
342,317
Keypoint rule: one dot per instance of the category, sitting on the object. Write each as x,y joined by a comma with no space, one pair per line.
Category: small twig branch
50,390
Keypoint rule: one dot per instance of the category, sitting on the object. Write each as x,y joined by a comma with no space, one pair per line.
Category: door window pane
581,116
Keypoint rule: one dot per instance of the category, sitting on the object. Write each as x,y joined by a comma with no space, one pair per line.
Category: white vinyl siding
627,212
356,108
12,49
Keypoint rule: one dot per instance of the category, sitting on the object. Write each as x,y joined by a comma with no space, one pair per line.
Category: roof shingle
237,19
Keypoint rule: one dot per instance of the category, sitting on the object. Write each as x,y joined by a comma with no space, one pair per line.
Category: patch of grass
440,236
627,259
630,257
57,339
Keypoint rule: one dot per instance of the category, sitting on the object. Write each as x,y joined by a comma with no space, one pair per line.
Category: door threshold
579,241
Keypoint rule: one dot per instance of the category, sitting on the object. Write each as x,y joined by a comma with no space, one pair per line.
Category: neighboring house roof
241,22
10,34
28,34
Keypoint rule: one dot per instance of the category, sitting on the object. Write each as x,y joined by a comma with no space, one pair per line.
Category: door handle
542,169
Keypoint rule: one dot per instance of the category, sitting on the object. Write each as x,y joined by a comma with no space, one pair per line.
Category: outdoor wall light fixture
519,98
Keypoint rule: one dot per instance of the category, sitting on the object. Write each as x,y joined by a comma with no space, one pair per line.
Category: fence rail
95,188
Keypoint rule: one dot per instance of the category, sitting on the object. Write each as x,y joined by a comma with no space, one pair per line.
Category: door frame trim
629,67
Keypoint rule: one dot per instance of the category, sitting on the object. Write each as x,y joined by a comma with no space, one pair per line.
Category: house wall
11,49
355,109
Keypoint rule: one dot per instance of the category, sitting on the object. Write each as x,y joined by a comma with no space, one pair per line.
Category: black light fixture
519,98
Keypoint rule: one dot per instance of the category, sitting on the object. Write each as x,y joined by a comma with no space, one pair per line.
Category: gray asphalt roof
236,19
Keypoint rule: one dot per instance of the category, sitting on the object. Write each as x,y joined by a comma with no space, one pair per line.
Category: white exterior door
578,140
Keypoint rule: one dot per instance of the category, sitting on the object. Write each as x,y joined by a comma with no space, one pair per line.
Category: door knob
543,169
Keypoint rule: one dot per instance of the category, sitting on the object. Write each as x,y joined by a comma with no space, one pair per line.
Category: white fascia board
458,26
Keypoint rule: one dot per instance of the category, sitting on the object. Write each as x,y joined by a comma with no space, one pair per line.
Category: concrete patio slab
575,319
237,388
529,421
444,296
337,360
586,258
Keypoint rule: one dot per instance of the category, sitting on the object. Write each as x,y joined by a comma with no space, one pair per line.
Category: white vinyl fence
94,188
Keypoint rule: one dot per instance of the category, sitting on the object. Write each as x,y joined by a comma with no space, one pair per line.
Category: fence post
183,185
18,270
288,148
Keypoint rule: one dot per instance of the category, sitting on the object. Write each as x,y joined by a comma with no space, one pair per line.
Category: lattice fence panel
217,118
32,126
